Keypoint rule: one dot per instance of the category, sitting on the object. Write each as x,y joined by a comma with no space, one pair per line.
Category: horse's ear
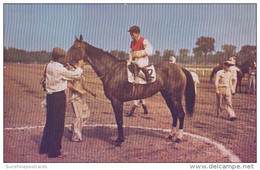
80,37
76,38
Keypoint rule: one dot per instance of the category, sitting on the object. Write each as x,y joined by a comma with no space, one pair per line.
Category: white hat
232,60
172,59
229,63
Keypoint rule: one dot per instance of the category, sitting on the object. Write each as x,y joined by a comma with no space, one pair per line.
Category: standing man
233,69
136,102
78,90
223,90
252,76
56,84
140,50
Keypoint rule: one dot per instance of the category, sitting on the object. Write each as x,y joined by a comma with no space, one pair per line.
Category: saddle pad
138,79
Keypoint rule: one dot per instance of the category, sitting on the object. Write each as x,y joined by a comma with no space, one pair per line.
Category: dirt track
23,95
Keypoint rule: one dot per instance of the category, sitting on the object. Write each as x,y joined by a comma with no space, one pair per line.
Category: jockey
140,50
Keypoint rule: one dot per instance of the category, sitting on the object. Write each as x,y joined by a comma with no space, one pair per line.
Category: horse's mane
94,50
98,50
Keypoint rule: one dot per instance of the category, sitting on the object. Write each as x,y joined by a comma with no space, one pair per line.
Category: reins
101,77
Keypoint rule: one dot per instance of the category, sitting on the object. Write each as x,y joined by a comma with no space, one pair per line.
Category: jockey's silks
137,45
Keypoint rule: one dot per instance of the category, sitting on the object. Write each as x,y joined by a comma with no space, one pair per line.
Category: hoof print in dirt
169,138
177,140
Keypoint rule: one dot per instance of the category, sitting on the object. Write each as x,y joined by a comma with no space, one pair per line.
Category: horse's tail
189,92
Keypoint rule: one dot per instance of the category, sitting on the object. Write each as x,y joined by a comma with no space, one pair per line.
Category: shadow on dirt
109,134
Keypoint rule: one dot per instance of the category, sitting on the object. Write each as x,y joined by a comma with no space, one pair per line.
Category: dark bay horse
244,69
172,82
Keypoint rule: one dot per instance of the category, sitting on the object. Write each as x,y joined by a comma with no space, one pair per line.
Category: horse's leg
239,85
181,116
171,106
118,109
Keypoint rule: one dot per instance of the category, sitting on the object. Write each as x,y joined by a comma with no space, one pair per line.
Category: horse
244,69
173,82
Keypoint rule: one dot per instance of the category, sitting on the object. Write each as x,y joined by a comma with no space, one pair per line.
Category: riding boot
132,111
148,77
145,109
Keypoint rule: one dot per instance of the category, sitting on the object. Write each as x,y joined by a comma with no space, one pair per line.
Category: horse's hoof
178,140
169,138
118,142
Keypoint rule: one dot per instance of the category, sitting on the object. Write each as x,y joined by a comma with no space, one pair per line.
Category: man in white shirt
252,78
223,90
56,84
233,69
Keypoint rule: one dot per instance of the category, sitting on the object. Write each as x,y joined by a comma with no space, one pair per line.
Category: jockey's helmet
134,29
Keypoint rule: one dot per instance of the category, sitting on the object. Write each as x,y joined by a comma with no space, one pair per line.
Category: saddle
135,74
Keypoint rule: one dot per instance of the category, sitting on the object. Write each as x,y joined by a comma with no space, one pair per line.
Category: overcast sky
35,27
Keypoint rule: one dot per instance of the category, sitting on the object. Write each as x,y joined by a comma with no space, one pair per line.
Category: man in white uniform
223,90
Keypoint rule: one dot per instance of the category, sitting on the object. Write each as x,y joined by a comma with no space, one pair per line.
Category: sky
37,27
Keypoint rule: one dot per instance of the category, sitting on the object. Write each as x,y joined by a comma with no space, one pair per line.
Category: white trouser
141,62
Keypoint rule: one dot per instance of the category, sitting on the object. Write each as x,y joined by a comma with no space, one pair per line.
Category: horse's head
78,50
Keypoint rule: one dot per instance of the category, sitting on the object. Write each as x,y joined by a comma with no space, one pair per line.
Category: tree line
203,53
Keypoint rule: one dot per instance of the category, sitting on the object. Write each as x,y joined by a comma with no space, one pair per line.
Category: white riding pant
141,62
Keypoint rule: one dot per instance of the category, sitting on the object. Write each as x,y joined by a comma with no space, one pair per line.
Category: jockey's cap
58,52
134,29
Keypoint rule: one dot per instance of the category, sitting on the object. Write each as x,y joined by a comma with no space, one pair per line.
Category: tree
204,45
197,54
156,58
229,50
167,54
184,53
119,54
247,52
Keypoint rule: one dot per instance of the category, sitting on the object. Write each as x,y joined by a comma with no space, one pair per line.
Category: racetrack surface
23,95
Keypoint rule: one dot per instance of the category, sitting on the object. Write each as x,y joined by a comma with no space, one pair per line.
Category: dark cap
58,52
134,29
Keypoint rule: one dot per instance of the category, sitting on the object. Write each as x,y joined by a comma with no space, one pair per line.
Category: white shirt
234,70
148,49
195,77
57,76
223,79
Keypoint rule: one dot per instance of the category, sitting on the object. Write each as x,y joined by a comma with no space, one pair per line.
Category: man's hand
81,63
83,92
138,54
217,91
